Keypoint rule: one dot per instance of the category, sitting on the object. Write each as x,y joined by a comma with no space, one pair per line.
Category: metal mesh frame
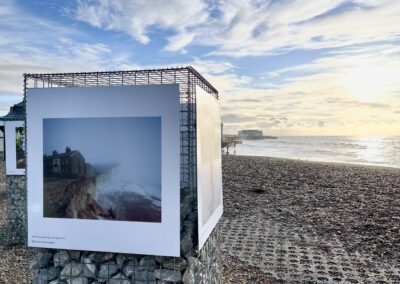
187,78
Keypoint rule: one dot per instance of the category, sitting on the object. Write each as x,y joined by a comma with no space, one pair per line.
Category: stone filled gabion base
77,267
16,208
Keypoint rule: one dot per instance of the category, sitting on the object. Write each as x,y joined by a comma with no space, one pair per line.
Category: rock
188,276
101,256
147,262
39,279
174,263
61,258
58,281
119,278
74,254
168,275
78,280
89,268
40,260
120,259
129,268
72,269
194,264
160,259
107,269
143,275
50,273
186,244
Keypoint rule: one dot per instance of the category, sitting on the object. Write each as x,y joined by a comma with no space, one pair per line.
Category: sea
372,150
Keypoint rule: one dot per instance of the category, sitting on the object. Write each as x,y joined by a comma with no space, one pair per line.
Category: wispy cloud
137,17
241,28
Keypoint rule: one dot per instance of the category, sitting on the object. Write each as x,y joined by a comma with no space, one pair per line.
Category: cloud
242,28
136,18
234,118
29,44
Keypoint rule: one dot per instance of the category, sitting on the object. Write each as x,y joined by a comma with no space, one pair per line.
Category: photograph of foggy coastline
102,168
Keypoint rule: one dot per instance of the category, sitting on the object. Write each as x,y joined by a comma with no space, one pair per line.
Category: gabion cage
52,265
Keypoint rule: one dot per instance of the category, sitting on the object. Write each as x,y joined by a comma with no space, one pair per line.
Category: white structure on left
13,127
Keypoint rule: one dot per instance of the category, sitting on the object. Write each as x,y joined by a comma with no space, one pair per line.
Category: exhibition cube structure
123,161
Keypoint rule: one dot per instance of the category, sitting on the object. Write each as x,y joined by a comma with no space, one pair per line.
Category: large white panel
133,120
209,169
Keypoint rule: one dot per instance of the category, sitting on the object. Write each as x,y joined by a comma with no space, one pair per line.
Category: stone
160,259
58,281
74,254
89,268
186,244
119,278
40,260
129,268
188,277
174,263
107,269
78,280
143,275
40,279
120,259
101,256
168,275
194,264
50,273
72,269
147,262
61,258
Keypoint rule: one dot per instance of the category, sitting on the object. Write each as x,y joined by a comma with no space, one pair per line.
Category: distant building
70,164
250,134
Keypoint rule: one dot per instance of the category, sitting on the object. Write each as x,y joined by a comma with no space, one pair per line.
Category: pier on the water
230,141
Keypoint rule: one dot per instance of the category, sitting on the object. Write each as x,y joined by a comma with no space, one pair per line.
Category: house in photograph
70,164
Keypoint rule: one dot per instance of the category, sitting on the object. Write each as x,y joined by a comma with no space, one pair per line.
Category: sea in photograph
372,150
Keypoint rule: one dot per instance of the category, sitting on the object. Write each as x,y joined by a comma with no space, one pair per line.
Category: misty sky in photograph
288,67
134,143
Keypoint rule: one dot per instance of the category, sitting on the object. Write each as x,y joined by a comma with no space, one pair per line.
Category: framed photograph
15,147
103,169
209,167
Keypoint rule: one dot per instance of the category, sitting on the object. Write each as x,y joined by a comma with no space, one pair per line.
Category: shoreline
367,165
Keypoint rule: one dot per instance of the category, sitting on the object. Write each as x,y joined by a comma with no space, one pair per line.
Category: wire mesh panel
66,266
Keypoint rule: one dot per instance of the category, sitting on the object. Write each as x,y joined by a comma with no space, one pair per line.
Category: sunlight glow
368,83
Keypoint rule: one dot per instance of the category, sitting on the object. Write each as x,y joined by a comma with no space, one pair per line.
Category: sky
105,141
299,67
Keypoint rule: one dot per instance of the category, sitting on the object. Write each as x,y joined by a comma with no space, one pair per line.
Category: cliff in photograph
69,187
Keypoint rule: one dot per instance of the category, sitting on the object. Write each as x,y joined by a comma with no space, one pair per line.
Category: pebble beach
357,206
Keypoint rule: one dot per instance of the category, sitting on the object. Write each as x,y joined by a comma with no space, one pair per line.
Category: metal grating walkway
289,255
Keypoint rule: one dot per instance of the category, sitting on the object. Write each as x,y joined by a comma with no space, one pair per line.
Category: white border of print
106,235
209,173
11,147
